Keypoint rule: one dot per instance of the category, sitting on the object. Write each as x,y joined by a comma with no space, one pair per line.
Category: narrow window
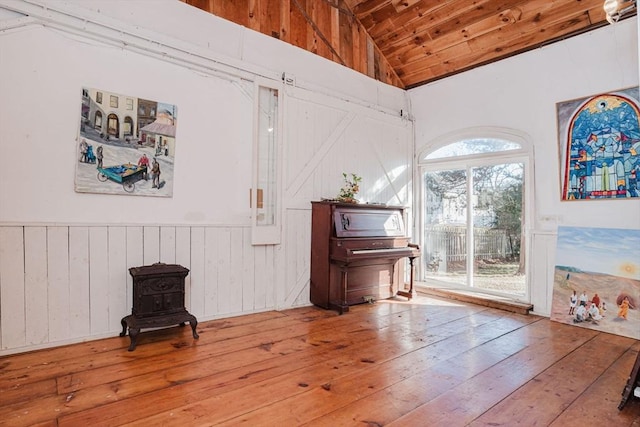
97,123
265,193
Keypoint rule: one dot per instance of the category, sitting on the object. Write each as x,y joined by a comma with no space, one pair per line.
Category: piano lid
368,222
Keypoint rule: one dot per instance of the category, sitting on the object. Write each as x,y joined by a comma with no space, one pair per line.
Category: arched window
473,214
113,125
128,126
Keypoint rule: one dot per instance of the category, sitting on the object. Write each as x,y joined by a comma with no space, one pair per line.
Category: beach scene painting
126,145
597,279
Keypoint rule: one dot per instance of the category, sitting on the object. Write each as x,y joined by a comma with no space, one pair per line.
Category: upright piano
357,254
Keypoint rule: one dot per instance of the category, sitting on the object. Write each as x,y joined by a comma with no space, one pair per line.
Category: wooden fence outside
449,244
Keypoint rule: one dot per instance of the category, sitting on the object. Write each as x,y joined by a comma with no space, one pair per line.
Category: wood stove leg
133,335
194,323
123,322
130,322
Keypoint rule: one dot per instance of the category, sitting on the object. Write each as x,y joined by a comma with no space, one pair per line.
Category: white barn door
324,138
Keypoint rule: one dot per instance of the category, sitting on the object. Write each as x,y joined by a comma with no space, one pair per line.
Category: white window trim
525,155
272,234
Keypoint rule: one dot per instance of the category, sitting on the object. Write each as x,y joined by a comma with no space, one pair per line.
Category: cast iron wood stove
158,300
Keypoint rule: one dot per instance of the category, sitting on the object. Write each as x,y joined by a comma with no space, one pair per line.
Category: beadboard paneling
12,290
98,281
196,289
35,284
63,284
78,282
58,283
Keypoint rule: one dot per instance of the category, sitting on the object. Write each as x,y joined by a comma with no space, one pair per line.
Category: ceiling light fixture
616,9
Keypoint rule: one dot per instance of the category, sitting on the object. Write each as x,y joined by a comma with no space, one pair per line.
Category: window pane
267,156
481,249
497,228
473,146
444,251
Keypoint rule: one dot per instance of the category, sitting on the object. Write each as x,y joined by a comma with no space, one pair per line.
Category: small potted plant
350,188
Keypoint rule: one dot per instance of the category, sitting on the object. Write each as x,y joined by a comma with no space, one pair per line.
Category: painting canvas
600,266
125,145
599,138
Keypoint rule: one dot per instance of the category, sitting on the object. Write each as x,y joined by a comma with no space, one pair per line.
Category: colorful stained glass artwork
600,146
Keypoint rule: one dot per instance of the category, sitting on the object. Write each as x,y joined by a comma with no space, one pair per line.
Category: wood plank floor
429,362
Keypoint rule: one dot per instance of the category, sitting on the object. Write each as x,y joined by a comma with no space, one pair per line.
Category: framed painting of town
597,279
599,139
125,145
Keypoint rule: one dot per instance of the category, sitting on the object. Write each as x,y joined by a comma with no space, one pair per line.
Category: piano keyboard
379,251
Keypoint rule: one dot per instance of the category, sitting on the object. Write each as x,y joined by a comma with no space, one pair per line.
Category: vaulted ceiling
408,43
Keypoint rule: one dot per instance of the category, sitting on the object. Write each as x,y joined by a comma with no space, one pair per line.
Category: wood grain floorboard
428,362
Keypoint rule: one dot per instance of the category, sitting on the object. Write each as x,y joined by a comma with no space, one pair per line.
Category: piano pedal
369,298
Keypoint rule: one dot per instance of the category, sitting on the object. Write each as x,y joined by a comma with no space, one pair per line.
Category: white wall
521,93
44,69
64,256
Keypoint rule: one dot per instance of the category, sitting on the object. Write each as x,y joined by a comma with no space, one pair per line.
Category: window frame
267,234
524,155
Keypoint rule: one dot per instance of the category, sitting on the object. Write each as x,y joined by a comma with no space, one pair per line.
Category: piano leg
411,293
343,291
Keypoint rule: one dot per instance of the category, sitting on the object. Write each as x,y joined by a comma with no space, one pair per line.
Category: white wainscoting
542,262
63,284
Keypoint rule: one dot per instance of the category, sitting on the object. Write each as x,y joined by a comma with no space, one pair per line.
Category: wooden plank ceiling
408,43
